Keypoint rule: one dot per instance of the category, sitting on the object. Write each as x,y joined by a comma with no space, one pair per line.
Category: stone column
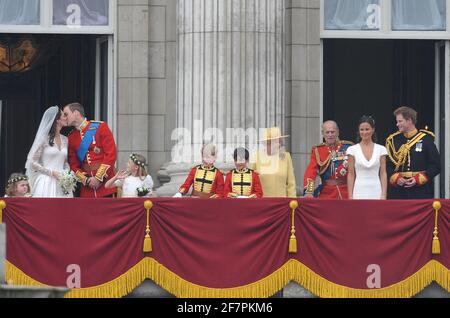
230,73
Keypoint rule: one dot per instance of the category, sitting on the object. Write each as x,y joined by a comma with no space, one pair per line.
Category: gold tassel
293,240
2,206
436,246
147,240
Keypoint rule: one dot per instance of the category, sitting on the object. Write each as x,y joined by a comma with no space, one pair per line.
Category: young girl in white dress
135,181
47,159
367,177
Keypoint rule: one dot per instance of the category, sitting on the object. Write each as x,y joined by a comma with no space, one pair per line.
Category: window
58,16
352,15
80,12
419,15
20,12
385,19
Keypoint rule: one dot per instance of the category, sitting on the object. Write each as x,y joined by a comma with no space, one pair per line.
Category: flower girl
18,186
135,181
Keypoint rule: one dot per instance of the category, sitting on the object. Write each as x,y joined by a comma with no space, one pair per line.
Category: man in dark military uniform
414,158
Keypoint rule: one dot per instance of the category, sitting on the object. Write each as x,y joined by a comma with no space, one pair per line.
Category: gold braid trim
148,268
81,176
101,172
399,157
310,183
322,164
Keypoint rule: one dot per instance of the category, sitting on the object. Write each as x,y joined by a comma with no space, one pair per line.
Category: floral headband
17,179
136,161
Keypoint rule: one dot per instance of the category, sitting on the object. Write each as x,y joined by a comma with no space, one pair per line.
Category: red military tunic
99,161
208,182
243,183
331,164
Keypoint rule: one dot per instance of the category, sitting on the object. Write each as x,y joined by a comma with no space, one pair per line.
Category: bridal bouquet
68,182
143,191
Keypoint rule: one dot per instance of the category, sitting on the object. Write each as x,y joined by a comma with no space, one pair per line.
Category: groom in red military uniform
92,152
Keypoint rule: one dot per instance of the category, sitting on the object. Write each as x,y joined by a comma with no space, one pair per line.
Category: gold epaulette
393,135
320,145
428,132
346,142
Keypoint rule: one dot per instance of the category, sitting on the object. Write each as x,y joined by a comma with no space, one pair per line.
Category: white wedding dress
367,182
45,160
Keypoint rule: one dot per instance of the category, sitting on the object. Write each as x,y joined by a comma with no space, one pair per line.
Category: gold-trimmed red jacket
207,182
99,161
329,162
243,183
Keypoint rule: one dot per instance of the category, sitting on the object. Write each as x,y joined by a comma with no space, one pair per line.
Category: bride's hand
56,174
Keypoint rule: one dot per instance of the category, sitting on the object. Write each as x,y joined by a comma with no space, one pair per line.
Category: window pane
352,15
418,15
80,12
20,12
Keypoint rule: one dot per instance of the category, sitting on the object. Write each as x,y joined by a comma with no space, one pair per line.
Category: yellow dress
276,174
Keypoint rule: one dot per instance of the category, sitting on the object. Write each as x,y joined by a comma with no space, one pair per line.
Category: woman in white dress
367,177
47,159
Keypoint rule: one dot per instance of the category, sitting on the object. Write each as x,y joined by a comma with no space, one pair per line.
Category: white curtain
348,14
418,15
93,12
16,12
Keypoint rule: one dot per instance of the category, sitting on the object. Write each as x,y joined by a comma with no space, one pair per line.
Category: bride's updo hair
371,122
51,134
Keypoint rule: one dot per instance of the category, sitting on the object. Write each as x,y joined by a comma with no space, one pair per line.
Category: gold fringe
432,271
148,268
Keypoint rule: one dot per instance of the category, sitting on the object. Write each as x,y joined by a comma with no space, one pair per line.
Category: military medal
419,146
96,149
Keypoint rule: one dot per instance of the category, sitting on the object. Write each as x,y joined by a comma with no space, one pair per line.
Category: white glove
177,195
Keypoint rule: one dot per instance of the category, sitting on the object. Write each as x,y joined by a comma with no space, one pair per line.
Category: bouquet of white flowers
68,182
143,191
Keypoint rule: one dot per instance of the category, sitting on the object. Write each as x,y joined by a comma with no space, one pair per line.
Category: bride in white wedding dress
47,159
367,176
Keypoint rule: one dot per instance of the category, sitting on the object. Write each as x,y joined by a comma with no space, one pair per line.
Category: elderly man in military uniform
329,161
414,158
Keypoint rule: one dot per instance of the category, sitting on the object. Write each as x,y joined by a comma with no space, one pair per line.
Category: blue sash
86,142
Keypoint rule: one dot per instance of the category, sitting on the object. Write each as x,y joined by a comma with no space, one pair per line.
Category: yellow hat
272,133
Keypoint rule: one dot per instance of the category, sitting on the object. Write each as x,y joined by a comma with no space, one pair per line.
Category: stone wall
146,79
303,80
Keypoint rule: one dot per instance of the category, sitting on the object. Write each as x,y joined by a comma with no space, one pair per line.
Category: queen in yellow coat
274,165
